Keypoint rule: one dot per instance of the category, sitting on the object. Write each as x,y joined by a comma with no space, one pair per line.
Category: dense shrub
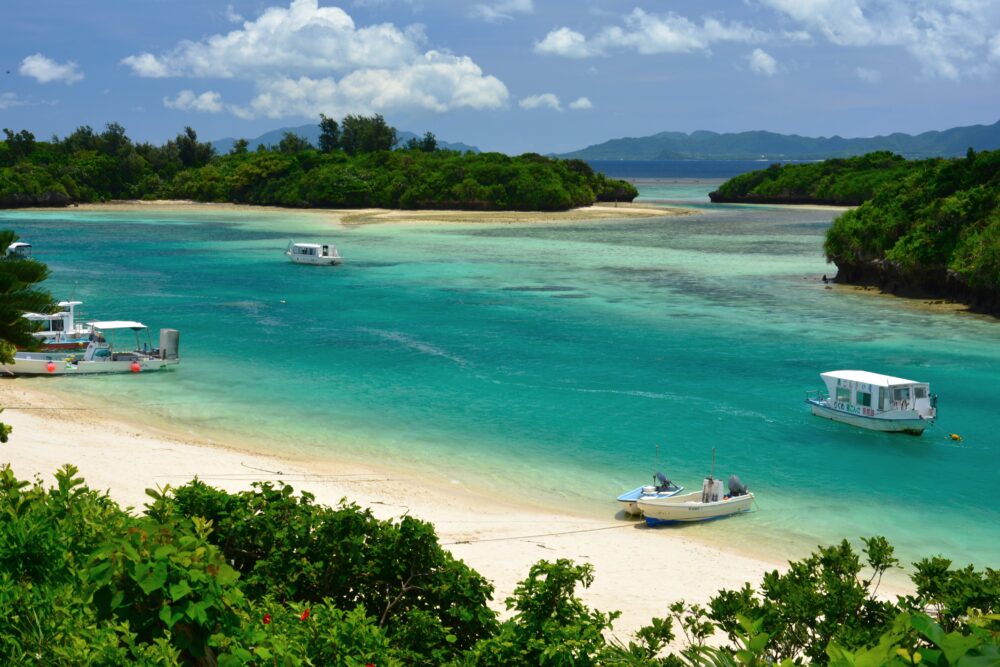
88,167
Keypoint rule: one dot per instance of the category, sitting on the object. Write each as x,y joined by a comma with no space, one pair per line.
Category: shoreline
496,535
351,217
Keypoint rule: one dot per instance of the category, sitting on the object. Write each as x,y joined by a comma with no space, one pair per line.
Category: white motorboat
875,401
19,249
103,355
709,503
660,488
60,330
313,253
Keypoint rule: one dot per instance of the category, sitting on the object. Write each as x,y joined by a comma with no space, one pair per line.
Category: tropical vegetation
353,166
270,577
927,228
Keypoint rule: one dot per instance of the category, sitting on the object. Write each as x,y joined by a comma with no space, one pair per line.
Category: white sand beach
599,211
638,571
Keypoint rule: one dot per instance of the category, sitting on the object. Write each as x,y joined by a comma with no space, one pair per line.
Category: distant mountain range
704,145
311,134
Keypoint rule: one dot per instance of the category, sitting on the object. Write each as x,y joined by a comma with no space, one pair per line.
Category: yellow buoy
955,436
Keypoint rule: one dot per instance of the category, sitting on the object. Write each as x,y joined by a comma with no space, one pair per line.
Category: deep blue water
549,361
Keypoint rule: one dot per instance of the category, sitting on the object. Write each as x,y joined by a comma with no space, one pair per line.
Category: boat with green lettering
875,401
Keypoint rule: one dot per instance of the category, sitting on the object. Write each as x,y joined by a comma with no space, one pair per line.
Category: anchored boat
875,401
313,253
60,330
103,354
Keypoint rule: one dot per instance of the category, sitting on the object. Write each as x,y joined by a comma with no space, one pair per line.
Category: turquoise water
547,362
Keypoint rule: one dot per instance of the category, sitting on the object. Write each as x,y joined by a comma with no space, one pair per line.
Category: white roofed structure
867,378
117,324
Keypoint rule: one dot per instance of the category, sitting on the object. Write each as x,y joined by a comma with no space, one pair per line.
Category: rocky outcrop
50,198
718,198
939,283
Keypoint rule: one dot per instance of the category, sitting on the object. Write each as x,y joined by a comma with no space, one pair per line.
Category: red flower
304,615
267,619
369,664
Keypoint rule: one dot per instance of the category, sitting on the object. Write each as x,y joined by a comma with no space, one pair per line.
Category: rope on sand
528,537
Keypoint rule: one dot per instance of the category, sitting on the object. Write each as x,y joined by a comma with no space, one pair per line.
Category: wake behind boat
875,401
102,355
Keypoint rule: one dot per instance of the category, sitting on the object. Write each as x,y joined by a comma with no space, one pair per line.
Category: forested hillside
923,228
840,182
762,145
355,166
931,230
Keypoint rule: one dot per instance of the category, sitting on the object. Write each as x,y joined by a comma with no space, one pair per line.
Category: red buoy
50,367
136,367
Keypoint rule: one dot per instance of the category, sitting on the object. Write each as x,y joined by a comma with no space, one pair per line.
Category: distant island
928,228
356,163
761,145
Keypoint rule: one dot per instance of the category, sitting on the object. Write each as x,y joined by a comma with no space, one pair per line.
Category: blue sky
508,75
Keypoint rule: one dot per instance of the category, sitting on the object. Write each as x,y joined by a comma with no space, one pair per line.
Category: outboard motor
736,487
170,340
662,483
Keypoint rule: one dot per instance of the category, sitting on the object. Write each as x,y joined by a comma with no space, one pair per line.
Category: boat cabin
871,394
19,249
313,250
61,324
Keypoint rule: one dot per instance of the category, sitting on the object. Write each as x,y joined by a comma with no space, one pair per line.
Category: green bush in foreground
267,577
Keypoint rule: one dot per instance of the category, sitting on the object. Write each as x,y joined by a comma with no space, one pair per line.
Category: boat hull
36,363
630,500
689,508
315,260
911,425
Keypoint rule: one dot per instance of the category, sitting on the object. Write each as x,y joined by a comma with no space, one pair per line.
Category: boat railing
816,396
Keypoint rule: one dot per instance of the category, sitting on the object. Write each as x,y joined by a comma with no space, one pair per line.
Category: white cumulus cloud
438,82
581,103
503,10
763,63
948,38
46,70
186,100
304,59
567,43
545,100
648,34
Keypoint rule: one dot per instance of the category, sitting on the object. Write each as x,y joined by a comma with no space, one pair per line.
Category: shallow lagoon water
547,362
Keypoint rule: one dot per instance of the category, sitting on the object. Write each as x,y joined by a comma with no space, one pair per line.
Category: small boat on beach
875,401
313,253
709,503
101,354
660,488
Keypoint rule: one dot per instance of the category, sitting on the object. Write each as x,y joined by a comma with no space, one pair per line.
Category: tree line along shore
923,228
357,165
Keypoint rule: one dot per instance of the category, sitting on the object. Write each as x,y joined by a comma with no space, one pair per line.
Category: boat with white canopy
60,330
875,401
313,253
105,353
